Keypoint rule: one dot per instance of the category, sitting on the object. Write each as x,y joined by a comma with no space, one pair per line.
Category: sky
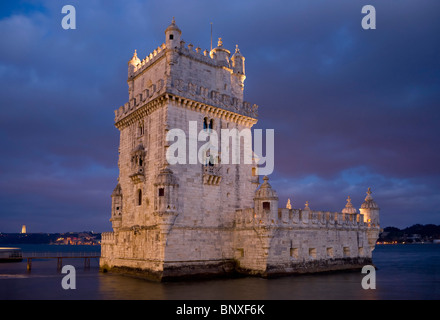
351,108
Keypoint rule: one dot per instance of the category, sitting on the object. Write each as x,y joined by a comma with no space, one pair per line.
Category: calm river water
404,272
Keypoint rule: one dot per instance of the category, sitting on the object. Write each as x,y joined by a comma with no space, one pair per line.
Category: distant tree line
415,233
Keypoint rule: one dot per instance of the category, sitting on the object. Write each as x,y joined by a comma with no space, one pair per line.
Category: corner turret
221,54
238,61
370,210
172,35
116,217
132,63
266,203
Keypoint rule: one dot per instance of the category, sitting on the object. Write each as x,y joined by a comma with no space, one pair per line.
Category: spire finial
220,42
369,197
236,49
349,204
307,206
349,207
288,205
134,60
173,21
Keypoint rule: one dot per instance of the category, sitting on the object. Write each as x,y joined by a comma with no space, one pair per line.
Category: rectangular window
312,253
329,252
239,253
346,251
161,192
266,205
294,253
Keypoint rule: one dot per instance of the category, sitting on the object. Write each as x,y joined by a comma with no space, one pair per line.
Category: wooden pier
60,256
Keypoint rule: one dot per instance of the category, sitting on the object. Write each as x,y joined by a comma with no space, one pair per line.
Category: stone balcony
211,174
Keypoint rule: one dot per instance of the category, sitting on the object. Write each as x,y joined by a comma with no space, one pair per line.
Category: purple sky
351,108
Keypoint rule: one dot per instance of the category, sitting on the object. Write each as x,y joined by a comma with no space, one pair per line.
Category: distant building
172,221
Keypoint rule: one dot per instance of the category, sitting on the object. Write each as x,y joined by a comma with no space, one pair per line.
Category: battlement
191,91
141,65
206,57
298,218
107,237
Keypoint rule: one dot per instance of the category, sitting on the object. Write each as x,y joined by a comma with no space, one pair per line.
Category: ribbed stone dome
369,203
166,177
265,191
237,53
139,148
173,27
117,191
349,207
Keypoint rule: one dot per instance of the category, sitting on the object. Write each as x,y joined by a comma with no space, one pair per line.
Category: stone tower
171,216
200,213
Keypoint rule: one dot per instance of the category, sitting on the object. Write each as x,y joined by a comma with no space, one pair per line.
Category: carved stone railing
211,174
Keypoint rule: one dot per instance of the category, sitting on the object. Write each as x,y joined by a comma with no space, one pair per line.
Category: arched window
205,123
139,197
140,129
211,125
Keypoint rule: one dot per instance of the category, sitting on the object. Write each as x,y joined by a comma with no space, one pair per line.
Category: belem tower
192,220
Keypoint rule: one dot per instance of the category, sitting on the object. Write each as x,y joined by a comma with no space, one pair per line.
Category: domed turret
265,191
116,217
219,53
166,177
238,61
369,203
266,203
172,35
349,207
370,210
132,63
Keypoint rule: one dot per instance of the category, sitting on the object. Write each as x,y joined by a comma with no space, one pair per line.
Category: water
404,272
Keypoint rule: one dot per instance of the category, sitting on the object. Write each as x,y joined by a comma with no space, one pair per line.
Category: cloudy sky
351,108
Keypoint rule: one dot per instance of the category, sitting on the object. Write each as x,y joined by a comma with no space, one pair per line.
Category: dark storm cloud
351,108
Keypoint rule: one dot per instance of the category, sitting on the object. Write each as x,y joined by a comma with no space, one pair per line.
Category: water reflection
323,286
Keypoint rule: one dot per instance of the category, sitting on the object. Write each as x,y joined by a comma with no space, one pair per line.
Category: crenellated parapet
107,237
190,91
299,218
140,107
137,66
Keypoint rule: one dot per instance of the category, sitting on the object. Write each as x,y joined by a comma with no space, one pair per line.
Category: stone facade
210,219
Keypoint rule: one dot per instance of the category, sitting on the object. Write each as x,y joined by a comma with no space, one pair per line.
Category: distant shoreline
68,238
